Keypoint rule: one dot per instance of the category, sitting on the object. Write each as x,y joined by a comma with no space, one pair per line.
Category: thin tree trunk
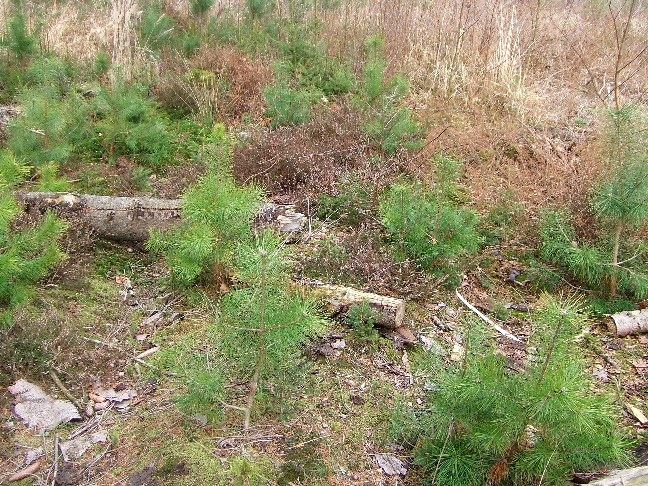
254,382
614,279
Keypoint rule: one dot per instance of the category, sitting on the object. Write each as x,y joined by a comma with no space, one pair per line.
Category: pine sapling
620,200
264,324
254,381
489,425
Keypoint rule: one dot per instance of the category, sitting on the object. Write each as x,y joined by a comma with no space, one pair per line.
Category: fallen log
132,218
113,218
637,476
629,322
339,299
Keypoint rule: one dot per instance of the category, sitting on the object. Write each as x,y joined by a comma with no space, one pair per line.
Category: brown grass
218,82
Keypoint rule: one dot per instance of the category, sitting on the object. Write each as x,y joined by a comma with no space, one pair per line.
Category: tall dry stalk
4,13
123,15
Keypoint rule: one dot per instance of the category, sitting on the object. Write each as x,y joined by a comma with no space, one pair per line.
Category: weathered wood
6,114
132,218
114,218
629,322
637,476
339,299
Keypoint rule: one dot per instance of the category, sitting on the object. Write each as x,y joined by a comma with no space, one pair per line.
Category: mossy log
339,299
637,476
131,218
630,322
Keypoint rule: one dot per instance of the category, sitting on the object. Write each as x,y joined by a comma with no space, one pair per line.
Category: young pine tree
426,223
490,425
620,200
216,218
264,324
26,255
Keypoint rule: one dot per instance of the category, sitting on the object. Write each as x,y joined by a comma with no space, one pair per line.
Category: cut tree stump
339,299
637,476
629,322
132,218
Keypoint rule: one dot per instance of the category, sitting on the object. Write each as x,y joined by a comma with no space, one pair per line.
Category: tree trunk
630,322
339,299
132,218
614,279
637,476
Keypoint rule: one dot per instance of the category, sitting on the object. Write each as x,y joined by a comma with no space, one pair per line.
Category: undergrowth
427,224
489,425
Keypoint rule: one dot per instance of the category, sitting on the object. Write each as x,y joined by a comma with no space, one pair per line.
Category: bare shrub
310,157
360,259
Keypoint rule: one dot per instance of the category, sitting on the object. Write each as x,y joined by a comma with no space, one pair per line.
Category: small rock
391,465
338,344
31,455
38,410
75,448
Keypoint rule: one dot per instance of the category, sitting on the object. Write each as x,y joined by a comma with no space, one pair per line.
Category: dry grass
217,82
79,31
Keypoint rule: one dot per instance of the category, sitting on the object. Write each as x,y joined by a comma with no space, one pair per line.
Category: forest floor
105,307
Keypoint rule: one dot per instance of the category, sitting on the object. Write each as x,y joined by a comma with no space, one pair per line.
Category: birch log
131,218
114,218
339,299
637,476
629,322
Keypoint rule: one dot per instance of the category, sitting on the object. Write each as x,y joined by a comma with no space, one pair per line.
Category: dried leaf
600,373
639,363
152,319
458,352
405,361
